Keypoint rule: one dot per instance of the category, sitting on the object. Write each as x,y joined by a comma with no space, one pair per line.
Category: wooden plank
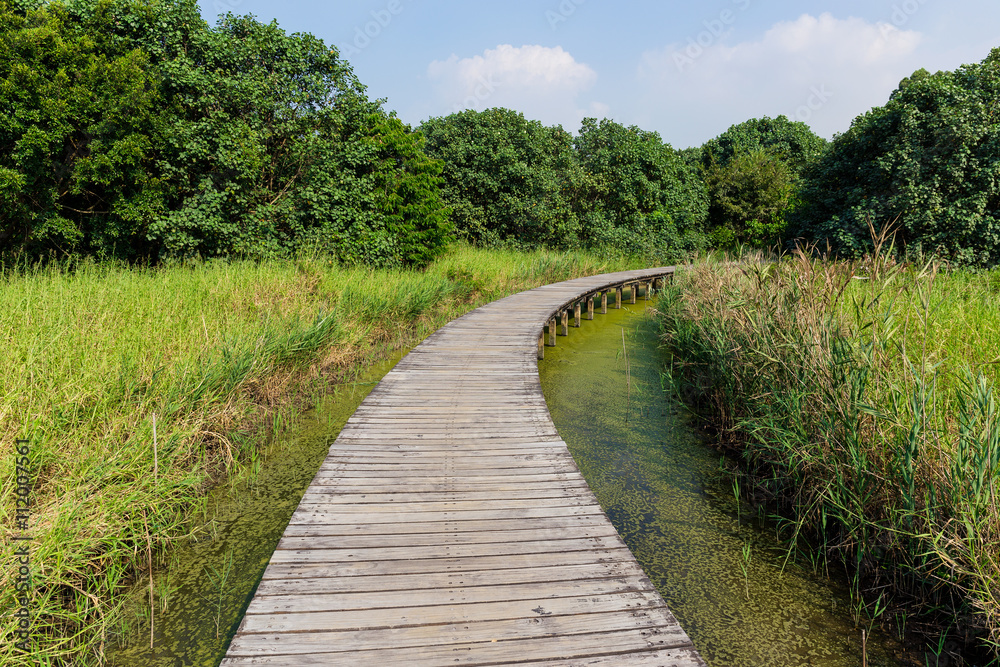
273,614
312,570
533,576
488,643
388,499
580,521
441,538
500,488
312,601
449,525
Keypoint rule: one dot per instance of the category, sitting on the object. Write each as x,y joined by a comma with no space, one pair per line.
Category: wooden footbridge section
449,525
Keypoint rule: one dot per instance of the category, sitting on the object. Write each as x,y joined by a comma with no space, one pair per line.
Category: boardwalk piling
604,302
576,314
590,307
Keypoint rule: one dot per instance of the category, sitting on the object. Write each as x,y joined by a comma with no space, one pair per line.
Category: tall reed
861,396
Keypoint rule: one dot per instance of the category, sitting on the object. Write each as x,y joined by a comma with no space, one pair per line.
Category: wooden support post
576,313
590,307
604,302
633,292
541,344
552,332
618,297
565,323
649,288
658,283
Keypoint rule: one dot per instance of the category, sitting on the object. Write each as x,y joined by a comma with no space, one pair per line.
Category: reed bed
211,355
861,397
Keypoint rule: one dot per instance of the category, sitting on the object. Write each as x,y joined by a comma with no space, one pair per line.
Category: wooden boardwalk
449,525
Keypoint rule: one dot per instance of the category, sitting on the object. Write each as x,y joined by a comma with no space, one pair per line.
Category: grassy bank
862,398
137,390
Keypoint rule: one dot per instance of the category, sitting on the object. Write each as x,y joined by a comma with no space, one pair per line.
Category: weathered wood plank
441,538
421,611
416,527
617,571
444,596
495,642
445,565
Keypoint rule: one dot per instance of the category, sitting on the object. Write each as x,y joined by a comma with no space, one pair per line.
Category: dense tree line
925,166
513,181
135,130
132,129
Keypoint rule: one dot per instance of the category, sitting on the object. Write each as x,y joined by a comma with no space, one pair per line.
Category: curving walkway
449,525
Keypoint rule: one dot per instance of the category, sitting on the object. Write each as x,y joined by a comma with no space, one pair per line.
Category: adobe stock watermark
485,87
901,15
714,30
365,34
818,97
562,13
22,541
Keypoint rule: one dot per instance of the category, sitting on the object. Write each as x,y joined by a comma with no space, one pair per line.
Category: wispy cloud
853,62
542,82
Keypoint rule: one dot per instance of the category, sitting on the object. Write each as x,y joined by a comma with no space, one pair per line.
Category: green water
663,489
213,578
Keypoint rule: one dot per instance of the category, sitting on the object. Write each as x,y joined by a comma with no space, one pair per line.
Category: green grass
217,352
862,398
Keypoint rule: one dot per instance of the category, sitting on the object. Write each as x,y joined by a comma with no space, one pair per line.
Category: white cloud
542,82
822,70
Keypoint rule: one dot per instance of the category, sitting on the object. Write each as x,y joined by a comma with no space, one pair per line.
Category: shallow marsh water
663,489
213,579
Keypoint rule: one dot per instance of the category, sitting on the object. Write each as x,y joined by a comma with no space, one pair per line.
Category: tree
749,198
791,141
927,163
508,180
77,134
640,194
753,172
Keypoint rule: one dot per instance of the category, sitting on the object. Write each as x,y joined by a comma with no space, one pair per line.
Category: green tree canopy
509,180
753,171
80,115
640,194
791,141
136,130
927,163
750,196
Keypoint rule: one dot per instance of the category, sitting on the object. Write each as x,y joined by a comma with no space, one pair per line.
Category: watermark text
22,540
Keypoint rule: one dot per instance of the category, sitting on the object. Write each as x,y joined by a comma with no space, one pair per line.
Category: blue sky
687,70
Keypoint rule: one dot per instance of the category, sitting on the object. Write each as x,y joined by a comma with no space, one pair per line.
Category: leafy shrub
640,194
